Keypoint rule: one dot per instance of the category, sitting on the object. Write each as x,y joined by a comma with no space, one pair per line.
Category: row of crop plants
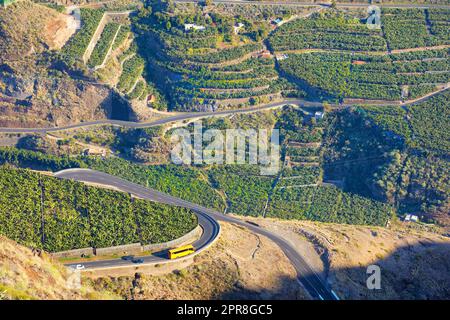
103,45
301,135
75,48
439,24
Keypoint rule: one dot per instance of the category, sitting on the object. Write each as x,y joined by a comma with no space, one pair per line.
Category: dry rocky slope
414,261
27,274
241,265
33,90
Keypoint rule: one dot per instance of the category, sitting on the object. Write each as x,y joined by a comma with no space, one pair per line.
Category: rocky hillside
27,274
413,257
35,89
234,268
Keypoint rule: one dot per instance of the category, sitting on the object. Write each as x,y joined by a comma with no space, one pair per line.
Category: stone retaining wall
74,253
134,248
187,238
124,249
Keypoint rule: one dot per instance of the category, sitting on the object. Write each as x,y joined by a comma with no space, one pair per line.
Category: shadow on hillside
286,289
119,107
414,272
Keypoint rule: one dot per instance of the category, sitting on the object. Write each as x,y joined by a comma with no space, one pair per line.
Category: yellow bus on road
181,251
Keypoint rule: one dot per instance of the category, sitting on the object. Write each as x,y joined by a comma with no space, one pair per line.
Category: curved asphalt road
208,220
211,228
178,117
199,115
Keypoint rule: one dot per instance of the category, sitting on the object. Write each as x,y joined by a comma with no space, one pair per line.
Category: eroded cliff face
34,88
30,274
43,102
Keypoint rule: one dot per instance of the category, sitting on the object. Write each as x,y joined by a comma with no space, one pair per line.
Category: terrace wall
133,248
124,249
107,17
74,253
187,238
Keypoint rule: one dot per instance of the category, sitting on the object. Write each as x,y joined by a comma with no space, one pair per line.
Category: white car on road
78,267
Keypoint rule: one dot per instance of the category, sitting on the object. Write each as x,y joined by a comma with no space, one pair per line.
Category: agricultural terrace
334,55
76,47
103,46
329,30
414,28
201,63
397,76
300,193
422,126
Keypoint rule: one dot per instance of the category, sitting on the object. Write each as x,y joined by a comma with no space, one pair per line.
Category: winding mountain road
208,220
175,118
201,115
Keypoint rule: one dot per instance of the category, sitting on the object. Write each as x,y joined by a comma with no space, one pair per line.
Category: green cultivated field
56,215
104,43
370,77
327,31
77,45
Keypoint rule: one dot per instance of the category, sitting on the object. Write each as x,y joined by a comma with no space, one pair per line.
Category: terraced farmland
439,24
423,126
76,47
209,68
327,31
196,62
389,77
104,44
300,192
407,28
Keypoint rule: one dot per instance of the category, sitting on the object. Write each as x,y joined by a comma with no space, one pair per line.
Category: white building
190,26
278,21
281,57
411,217
238,27
319,115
